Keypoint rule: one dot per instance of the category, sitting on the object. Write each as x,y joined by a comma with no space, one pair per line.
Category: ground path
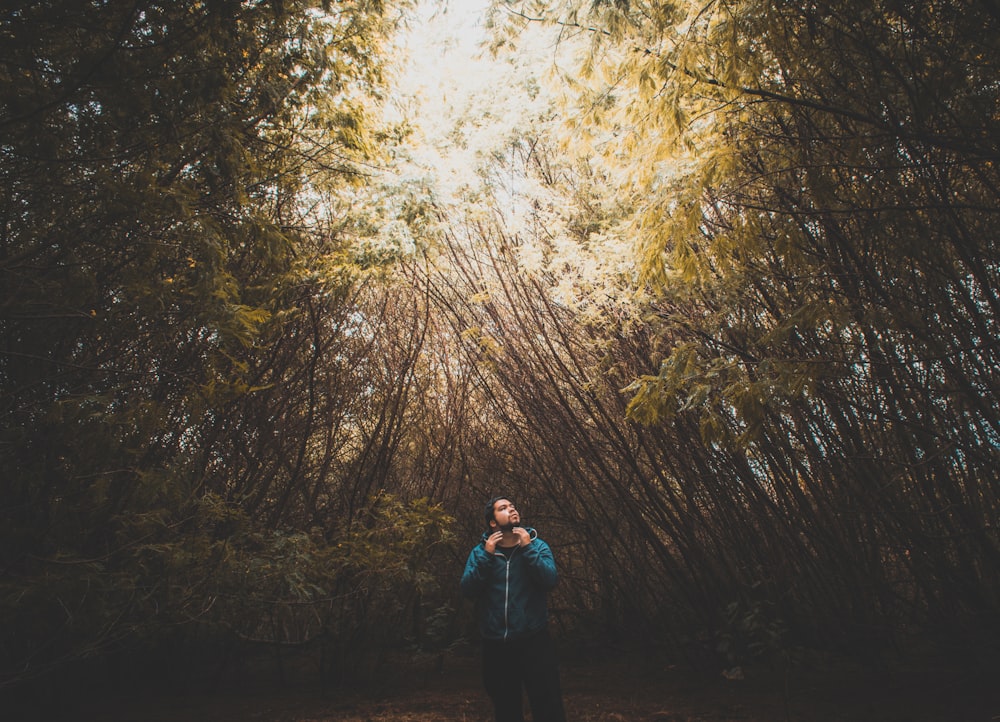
623,690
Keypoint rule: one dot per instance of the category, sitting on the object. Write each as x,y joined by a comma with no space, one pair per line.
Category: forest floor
605,690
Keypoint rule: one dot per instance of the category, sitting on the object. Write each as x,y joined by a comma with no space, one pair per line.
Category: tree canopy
718,277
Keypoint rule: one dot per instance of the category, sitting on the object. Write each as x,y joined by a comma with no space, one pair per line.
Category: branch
774,96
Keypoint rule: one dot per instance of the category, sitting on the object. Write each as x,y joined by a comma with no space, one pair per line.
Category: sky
463,101
467,105
443,73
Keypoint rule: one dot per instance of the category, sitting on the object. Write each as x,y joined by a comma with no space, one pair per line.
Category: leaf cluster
159,163
813,192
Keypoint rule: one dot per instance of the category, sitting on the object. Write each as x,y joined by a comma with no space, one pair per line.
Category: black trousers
529,664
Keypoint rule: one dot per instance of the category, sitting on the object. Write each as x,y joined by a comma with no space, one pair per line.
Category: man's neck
509,540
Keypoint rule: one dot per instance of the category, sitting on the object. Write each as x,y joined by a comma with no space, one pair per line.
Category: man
508,574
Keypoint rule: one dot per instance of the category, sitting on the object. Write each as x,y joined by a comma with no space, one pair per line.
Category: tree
816,207
158,160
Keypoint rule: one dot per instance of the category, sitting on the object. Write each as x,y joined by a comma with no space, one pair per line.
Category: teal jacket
510,593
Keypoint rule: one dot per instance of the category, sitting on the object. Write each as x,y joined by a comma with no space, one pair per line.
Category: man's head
500,513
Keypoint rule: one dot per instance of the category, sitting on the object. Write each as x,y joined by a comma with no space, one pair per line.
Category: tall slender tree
157,160
812,192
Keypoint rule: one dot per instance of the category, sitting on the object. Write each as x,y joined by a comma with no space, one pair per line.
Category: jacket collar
531,533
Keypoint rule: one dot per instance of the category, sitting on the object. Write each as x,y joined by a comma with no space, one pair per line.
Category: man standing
508,574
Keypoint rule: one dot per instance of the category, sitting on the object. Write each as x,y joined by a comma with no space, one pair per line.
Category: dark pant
529,663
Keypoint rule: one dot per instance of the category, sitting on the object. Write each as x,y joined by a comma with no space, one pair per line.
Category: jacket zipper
506,594
506,599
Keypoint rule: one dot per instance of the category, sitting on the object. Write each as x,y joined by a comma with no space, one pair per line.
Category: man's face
505,516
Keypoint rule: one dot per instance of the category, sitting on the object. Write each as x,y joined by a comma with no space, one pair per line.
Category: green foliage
158,161
813,196
751,634
218,340
354,590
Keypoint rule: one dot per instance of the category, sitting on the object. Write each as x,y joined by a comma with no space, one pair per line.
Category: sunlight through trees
290,288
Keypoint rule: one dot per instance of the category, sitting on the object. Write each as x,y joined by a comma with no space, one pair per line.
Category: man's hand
492,540
523,537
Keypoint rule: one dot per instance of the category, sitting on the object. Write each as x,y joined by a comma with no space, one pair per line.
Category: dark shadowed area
621,688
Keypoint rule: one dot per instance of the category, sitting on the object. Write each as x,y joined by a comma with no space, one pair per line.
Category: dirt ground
606,690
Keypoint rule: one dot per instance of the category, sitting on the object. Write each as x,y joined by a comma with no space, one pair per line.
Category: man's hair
488,511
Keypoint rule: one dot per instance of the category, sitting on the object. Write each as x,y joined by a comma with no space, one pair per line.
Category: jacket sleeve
541,563
477,571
